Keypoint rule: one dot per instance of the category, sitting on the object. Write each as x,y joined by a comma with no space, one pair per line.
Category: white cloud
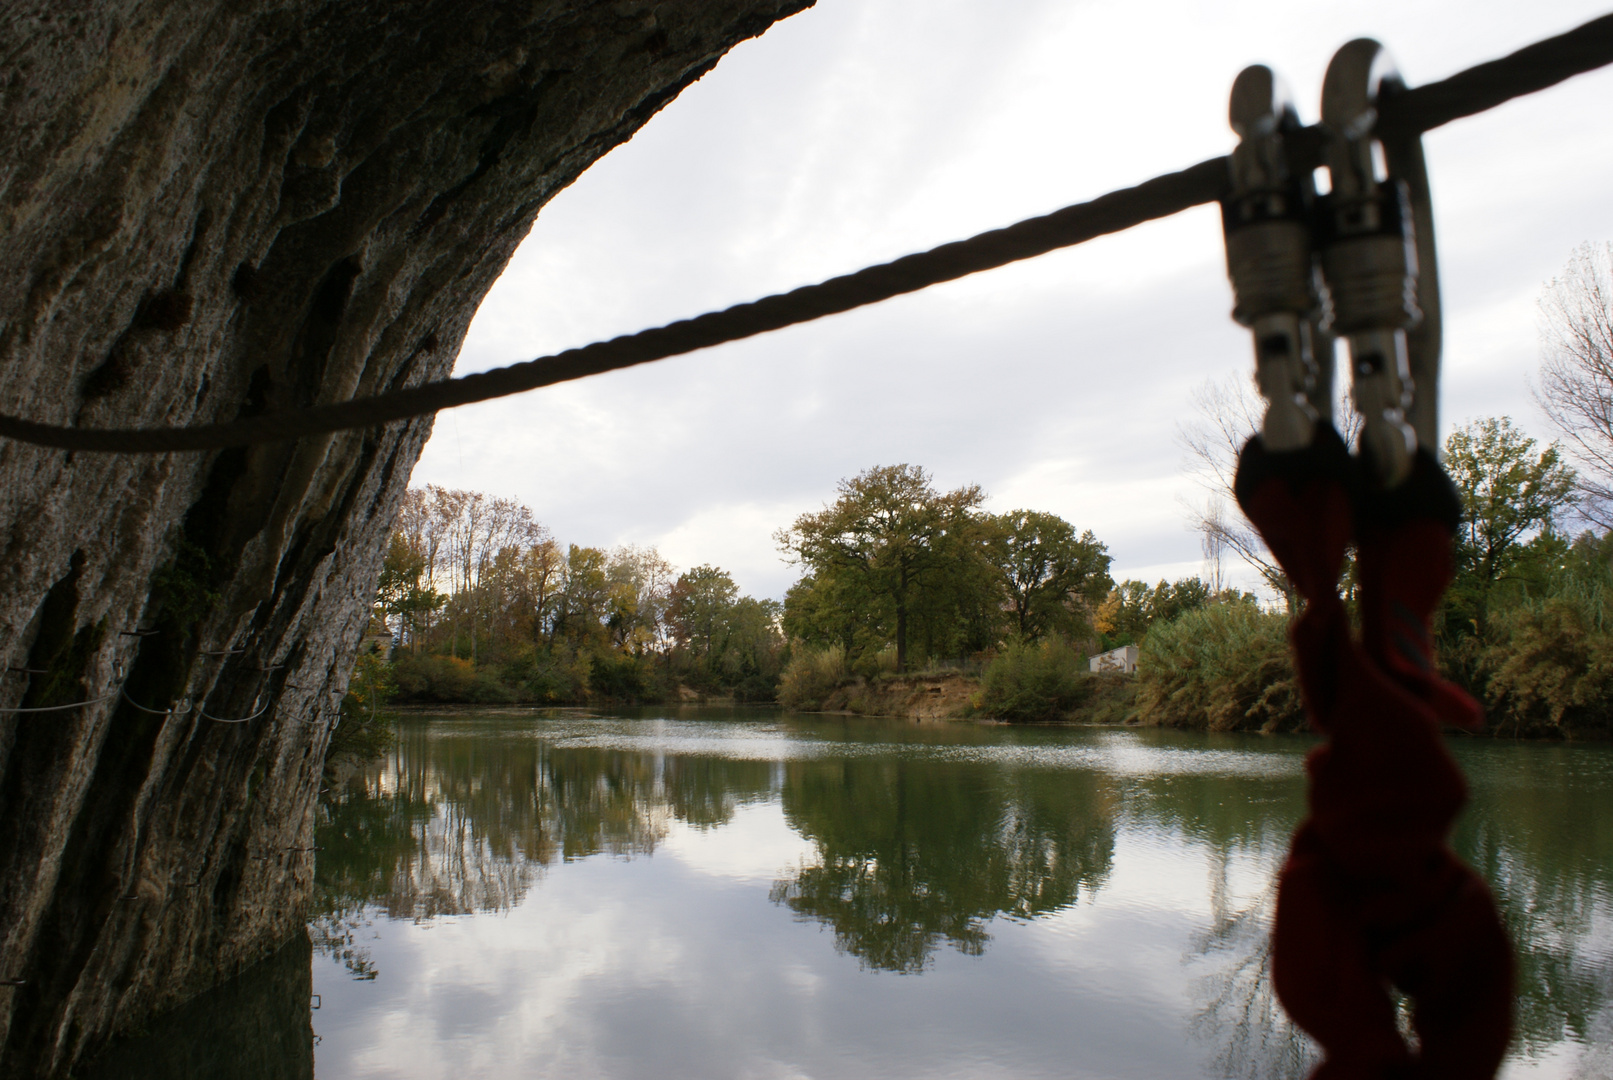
857,132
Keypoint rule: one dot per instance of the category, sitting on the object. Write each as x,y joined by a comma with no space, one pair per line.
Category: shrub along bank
1045,681
1225,667
1542,667
995,611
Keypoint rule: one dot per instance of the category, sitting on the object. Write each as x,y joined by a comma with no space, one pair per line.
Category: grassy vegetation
1035,681
811,676
1548,666
1225,667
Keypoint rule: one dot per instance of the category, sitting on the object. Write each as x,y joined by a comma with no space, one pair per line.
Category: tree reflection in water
1540,833
911,854
1238,1010
1238,821
455,823
923,837
1536,831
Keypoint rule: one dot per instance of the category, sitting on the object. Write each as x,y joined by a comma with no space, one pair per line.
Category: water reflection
921,838
911,854
455,822
253,1027
1238,1013
1541,833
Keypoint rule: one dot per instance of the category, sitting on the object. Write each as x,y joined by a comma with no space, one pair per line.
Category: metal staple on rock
1475,90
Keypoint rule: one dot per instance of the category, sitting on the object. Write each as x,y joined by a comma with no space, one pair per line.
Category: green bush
447,679
1032,682
1111,700
756,688
542,677
619,677
1225,667
811,676
1550,664
365,729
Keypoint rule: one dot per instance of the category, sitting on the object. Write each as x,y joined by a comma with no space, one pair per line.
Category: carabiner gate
1267,224
1367,236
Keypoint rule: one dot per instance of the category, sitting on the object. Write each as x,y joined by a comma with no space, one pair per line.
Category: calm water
756,895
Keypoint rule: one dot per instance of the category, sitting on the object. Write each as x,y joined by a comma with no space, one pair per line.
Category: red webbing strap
1372,897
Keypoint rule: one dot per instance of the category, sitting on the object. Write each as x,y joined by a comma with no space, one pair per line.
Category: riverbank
957,695
1262,701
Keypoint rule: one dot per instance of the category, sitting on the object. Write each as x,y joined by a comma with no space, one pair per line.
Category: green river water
753,894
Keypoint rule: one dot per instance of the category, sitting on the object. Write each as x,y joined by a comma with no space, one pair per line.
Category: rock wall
210,210
256,1026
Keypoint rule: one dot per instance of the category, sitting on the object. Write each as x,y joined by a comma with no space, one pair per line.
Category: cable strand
1485,86
59,708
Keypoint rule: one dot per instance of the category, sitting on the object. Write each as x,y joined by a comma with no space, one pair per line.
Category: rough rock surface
257,1026
209,210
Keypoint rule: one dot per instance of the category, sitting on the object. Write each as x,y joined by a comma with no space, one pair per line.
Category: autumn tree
1512,497
419,528
1132,608
698,611
1227,413
640,583
891,531
403,594
584,602
530,580
1053,579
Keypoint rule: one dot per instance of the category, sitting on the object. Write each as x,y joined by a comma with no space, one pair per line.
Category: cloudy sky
861,130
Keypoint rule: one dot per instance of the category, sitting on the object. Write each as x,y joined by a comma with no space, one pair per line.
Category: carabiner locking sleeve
1367,236
1267,224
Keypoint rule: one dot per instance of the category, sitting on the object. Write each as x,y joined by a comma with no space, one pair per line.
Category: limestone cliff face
209,210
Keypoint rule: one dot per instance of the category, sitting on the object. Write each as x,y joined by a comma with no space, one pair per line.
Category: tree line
486,605
898,574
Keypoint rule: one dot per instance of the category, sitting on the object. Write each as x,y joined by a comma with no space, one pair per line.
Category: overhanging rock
209,210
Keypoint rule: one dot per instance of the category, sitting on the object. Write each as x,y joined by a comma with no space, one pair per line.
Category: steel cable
59,708
1475,90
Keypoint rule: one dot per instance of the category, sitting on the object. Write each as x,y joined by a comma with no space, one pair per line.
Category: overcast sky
861,130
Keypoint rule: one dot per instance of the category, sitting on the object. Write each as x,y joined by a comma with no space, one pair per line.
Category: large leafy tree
893,532
1513,494
402,592
700,610
835,609
1052,577
584,605
1132,608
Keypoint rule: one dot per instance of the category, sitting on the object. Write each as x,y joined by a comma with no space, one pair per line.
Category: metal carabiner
1367,233
1266,221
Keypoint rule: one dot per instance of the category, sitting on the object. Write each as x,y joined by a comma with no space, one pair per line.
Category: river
751,894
